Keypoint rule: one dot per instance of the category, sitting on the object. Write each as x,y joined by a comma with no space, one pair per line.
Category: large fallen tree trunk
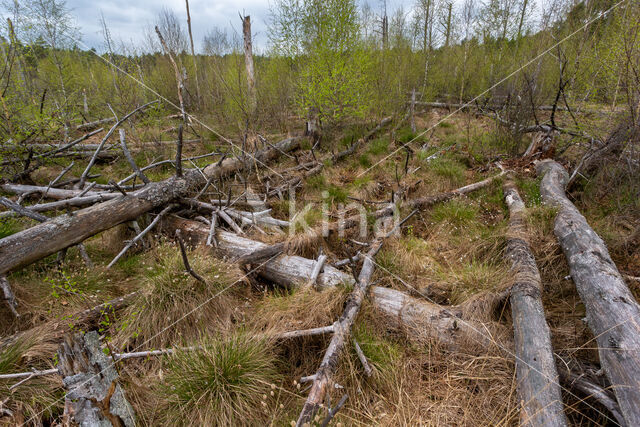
613,315
94,397
538,387
286,270
35,243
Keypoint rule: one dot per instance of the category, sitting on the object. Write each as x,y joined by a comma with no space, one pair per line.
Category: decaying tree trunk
419,319
286,270
67,230
94,397
613,315
538,387
248,61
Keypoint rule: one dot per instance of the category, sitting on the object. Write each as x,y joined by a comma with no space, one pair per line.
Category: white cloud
127,18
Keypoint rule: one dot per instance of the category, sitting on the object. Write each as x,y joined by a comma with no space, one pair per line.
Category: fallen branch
9,297
140,235
185,259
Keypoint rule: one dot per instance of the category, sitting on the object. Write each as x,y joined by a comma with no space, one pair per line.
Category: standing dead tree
94,397
193,52
35,243
613,314
538,387
248,61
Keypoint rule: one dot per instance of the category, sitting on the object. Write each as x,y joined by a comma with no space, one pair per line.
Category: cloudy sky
128,18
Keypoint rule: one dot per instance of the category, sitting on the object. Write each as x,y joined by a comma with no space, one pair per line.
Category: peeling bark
94,397
613,315
538,387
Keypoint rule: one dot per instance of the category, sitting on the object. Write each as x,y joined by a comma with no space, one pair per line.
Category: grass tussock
173,306
228,382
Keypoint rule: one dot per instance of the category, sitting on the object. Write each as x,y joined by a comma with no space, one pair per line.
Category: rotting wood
37,242
286,270
419,319
94,397
538,388
612,313
248,61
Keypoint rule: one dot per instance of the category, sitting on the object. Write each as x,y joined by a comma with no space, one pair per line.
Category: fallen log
538,387
94,397
612,313
285,270
66,230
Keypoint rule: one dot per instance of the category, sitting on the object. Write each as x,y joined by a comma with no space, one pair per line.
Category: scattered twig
21,210
332,412
363,359
185,259
129,157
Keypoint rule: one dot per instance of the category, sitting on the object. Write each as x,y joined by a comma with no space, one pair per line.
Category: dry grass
173,307
451,254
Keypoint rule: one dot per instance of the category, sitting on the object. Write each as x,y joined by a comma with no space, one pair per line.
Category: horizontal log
286,270
35,243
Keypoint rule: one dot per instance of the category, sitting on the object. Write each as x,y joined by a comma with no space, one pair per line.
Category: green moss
8,227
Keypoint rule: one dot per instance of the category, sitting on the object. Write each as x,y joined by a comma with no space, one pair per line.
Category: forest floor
449,254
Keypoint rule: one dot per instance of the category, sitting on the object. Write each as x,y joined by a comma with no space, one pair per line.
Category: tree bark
248,61
35,243
286,270
94,397
538,387
613,315
193,53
